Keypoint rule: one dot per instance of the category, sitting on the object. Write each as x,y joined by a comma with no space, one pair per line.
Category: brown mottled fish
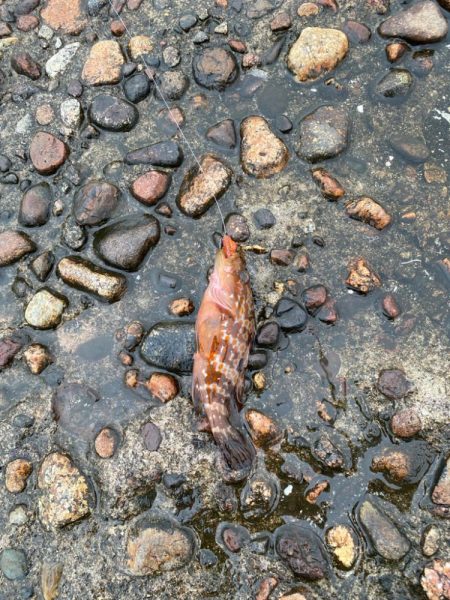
225,328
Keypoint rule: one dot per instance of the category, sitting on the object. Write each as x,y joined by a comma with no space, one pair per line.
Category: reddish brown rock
281,22
64,16
314,297
330,187
394,463
24,64
162,386
181,307
37,358
35,205
441,491
422,22
331,4
9,347
13,246
390,306
393,384
263,429
395,50
362,277
106,443
302,262
104,63
117,28
238,46
328,312
150,187
45,114
95,202
263,154
27,22
132,378
406,423
282,257
358,33
47,153
435,580
266,587
314,493
16,475
369,211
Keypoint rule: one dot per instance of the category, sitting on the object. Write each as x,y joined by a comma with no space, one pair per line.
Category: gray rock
14,564
59,62
223,133
35,205
161,154
43,264
422,23
125,243
172,85
71,113
385,536
214,68
397,82
323,133
411,147
72,234
170,346
137,88
95,202
113,114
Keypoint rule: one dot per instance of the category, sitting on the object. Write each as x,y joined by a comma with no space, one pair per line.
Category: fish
225,329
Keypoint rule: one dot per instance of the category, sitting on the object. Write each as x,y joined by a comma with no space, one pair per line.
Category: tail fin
236,447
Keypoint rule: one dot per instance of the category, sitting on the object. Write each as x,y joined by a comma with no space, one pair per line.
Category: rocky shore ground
322,129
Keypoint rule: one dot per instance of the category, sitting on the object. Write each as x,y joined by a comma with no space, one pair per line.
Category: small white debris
288,490
222,28
360,108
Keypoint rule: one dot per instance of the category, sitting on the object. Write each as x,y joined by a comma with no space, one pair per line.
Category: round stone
45,309
13,564
113,114
150,187
214,68
106,442
47,153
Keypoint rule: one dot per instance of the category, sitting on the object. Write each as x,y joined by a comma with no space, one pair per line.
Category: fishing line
151,77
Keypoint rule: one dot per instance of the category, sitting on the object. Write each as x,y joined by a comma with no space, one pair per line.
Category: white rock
59,62
71,114
45,32
25,124
222,28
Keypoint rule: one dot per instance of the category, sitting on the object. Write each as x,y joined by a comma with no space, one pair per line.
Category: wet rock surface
86,276
47,153
214,68
262,153
170,346
13,246
113,114
323,134
302,550
45,309
421,23
95,203
388,541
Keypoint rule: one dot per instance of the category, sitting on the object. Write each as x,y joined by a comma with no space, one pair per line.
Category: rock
188,21
301,549
139,45
314,298
386,538
64,492
72,234
71,113
16,475
113,114
137,88
78,411
395,50
9,347
393,384
403,465
181,307
342,542
290,315
390,307
18,515
261,493
88,277
58,63
330,187
162,386
125,243
45,309
441,491
431,540
282,257
412,148
172,85
45,114
37,358
214,68
406,423
200,188
13,246
65,17
281,22
237,228
369,211
323,133
152,437
421,23
95,202
316,52
268,334
266,587
161,154
433,173
358,33
14,564
47,153
170,346
264,431
263,154
264,218
445,4
157,543
104,63
397,82
362,277
151,186
435,580
24,64
234,537
223,134
35,205
171,56
332,451
131,335
106,442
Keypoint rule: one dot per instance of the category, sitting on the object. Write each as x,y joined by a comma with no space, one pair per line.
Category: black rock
302,550
411,147
223,134
264,218
257,360
332,451
172,85
170,346
137,88
35,205
214,68
237,228
268,334
290,315
283,124
323,133
113,114
161,154
43,264
125,243
271,54
95,202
